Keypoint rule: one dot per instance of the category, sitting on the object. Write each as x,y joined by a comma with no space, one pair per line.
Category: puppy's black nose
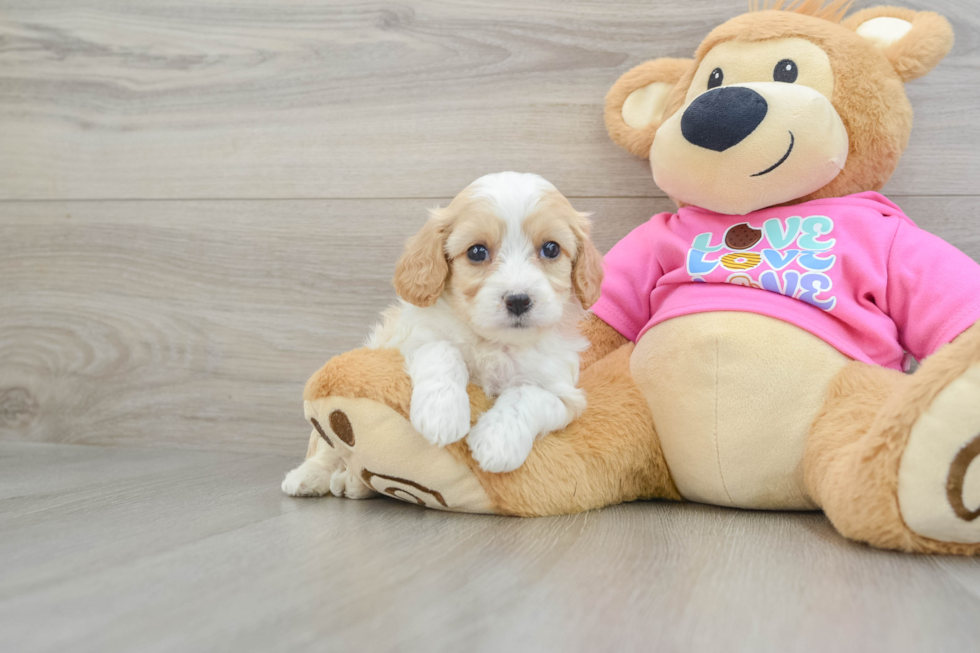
517,304
723,117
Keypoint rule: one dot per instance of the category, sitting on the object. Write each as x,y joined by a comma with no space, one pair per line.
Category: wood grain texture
120,549
364,99
195,324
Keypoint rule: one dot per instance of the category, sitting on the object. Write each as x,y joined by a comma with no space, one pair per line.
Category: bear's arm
630,272
933,290
603,338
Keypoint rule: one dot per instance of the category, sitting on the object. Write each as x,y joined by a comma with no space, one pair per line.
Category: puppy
492,290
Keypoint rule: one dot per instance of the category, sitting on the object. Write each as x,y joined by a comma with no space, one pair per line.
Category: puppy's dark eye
550,249
786,71
716,78
477,253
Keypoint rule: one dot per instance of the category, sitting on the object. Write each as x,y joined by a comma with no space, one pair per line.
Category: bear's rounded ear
912,41
636,103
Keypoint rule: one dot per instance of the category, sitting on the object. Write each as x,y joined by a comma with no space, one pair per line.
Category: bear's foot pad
364,447
939,474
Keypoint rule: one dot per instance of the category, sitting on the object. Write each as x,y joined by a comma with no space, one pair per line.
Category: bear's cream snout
738,148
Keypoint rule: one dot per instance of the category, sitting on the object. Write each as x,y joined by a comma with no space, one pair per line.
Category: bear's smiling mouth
792,141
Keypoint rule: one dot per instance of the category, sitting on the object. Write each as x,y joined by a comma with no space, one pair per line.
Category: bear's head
780,105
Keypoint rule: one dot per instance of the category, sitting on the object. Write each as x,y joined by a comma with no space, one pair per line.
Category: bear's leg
610,454
893,458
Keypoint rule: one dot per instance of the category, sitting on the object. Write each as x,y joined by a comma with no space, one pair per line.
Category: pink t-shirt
854,271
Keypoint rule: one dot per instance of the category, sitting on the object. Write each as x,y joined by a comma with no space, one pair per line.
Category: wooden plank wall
201,201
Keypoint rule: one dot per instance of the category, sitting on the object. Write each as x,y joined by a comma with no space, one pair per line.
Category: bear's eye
715,78
477,253
786,71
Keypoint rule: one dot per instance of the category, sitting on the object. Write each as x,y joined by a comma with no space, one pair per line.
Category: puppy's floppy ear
912,41
421,272
587,266
637,103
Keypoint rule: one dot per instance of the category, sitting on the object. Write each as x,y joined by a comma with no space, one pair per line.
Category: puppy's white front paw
310,479
345,483
313,479
441,412
500,442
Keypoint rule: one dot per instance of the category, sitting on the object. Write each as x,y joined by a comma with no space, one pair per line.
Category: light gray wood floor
202,200
122,549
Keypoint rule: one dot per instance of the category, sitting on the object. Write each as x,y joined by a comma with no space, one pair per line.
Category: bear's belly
733,396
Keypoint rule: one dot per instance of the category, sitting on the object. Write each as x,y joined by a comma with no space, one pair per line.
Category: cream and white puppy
492,290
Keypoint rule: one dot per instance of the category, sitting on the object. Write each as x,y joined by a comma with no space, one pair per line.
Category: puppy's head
509,254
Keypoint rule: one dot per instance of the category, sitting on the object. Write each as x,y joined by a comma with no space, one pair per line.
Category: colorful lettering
776,236
811,261
778,260
814,283
696,263
814,227
788,286
702,243
808,282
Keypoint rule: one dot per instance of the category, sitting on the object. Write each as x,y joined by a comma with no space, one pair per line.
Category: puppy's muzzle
723,117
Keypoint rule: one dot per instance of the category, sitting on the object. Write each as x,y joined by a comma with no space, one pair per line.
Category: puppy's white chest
495,370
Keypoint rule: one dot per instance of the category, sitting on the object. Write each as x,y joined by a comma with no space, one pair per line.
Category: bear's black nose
723,117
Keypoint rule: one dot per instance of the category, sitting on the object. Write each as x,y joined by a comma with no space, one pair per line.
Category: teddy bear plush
748,350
